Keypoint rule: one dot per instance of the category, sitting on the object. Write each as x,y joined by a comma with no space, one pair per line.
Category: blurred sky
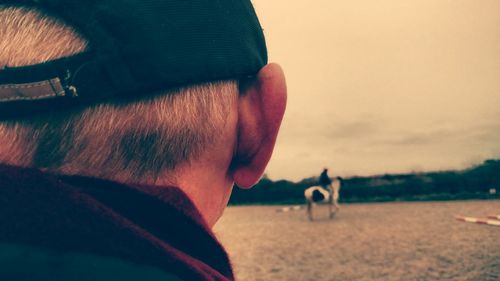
385,86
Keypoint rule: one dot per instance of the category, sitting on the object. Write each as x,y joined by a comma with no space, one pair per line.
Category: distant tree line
475,182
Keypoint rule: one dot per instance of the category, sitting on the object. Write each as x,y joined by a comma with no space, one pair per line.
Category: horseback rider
326,192
325,181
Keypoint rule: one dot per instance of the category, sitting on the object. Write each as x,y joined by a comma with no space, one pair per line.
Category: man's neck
207,185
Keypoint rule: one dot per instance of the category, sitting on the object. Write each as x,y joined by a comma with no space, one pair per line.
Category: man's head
201,137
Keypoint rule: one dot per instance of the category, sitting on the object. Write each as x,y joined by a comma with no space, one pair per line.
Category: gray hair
132,140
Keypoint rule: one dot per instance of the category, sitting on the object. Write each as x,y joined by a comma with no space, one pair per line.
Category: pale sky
385,86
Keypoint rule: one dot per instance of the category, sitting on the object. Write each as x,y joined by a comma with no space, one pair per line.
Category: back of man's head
131,140
157,92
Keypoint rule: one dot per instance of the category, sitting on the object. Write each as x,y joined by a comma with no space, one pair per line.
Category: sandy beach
382,241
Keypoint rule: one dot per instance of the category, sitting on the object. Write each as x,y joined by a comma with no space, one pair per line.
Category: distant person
123,127
324,180
326,192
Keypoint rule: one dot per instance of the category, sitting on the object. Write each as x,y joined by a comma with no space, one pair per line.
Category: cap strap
32,91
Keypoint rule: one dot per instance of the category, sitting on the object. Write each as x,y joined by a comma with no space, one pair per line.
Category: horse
317,194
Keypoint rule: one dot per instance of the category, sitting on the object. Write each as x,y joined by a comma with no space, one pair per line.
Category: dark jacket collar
156,226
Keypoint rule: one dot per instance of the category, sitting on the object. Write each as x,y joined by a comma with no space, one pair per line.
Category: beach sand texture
377,241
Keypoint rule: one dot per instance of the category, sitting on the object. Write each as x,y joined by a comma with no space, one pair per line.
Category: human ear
260,111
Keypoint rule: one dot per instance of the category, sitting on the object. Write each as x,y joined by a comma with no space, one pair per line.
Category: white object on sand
290,208
478,221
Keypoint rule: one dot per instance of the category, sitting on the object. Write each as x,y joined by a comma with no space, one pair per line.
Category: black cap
136,47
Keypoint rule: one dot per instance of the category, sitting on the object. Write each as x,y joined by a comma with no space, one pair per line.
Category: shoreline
422,198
